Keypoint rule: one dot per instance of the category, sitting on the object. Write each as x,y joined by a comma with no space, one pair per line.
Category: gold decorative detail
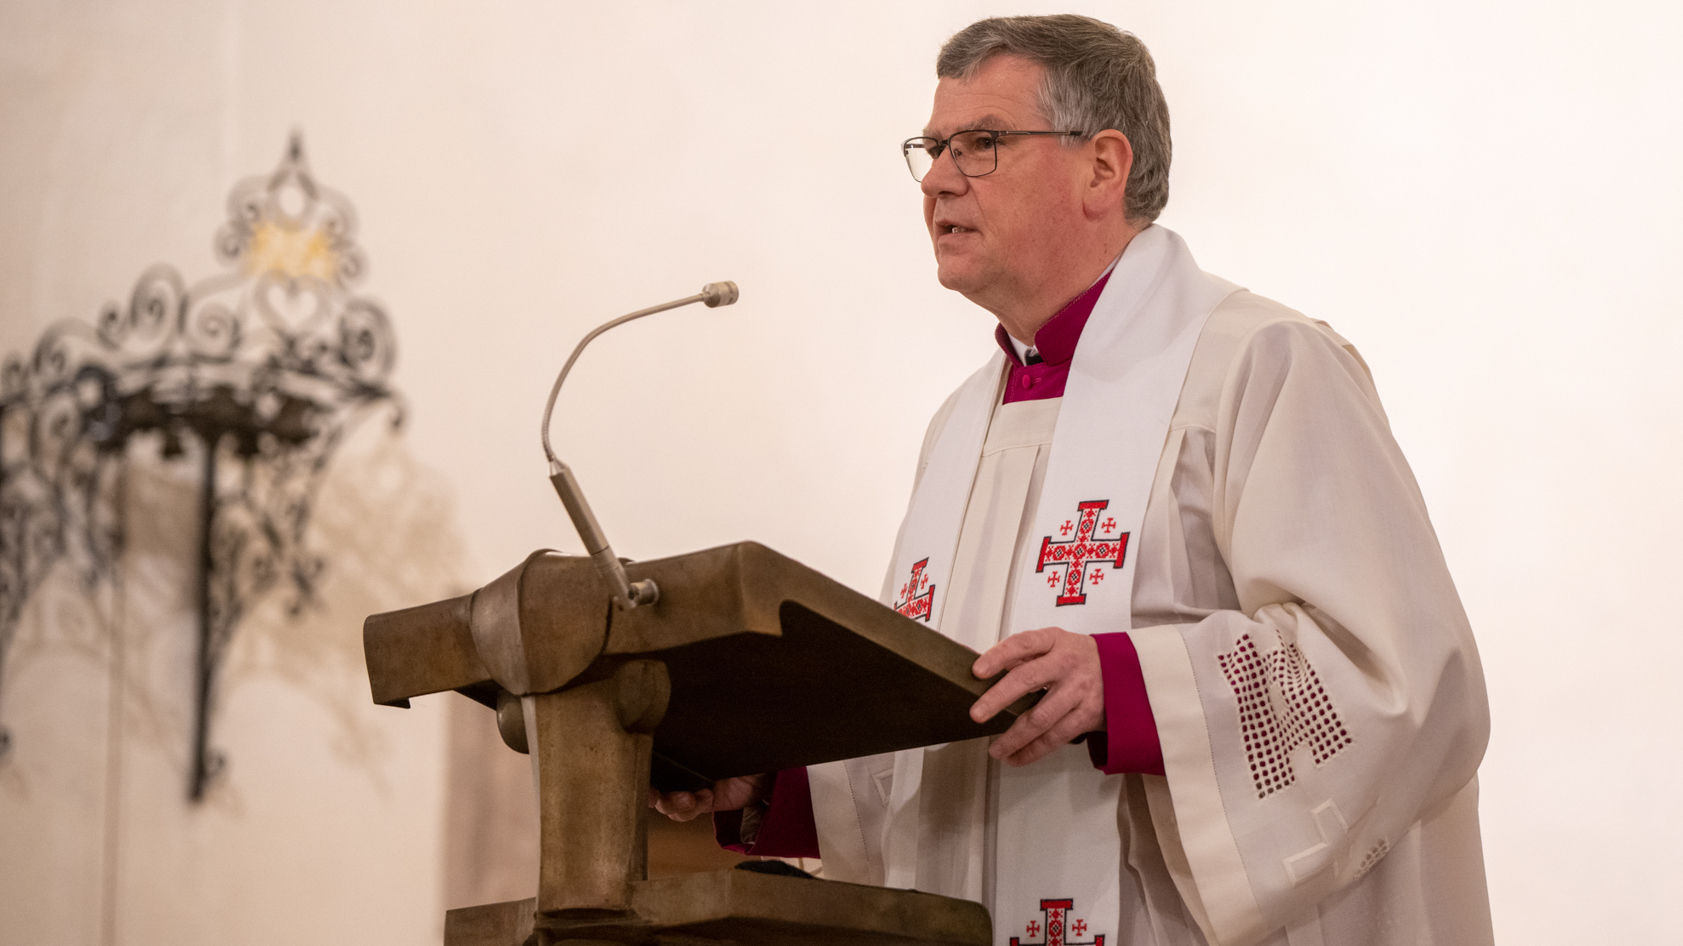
292,252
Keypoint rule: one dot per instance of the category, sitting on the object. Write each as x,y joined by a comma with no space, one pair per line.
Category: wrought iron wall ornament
257,373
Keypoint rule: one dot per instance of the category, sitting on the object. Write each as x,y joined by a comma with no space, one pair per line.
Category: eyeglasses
975,151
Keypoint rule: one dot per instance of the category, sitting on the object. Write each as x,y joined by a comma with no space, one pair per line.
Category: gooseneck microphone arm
627,593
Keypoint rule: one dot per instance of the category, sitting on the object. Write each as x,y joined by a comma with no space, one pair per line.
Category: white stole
1057,849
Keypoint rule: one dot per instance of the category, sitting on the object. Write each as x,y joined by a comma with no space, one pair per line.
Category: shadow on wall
388,528
100,699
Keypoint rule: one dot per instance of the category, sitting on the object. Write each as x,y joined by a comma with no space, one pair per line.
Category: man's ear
1112,159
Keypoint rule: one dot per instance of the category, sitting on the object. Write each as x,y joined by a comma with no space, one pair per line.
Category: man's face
1000,238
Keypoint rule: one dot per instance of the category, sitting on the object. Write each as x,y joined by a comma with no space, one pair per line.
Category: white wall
1482,195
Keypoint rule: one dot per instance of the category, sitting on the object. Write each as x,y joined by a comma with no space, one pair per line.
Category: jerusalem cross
1081,551
916,594
1058,927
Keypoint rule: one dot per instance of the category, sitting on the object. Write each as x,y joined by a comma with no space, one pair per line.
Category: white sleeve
1342,700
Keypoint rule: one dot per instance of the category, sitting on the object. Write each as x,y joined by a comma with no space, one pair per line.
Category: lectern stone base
737,907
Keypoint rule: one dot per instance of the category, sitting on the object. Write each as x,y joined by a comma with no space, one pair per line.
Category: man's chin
959,279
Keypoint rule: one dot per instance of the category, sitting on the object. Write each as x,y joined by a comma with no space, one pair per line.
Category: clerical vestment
1316,690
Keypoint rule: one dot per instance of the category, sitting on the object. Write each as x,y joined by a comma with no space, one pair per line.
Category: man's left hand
1066,666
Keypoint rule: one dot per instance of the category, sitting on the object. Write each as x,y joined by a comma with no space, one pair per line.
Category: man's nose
944,177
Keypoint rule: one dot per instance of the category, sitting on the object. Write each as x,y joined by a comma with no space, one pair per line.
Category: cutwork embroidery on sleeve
1282,706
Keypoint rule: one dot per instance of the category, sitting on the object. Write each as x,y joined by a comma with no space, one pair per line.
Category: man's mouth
955,228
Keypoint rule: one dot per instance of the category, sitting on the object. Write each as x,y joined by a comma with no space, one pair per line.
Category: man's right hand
727,795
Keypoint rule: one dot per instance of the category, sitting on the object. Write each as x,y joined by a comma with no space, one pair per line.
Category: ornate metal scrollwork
264,368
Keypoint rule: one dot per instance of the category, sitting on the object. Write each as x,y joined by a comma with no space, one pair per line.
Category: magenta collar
1055,343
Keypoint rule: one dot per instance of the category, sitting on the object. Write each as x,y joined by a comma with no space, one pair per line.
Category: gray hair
1097,77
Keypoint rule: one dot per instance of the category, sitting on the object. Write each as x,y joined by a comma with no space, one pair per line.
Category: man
1177,509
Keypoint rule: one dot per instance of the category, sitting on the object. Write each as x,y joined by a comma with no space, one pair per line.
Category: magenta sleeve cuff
787,828
1129,743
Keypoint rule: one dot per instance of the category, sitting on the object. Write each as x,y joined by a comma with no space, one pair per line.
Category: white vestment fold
1313,678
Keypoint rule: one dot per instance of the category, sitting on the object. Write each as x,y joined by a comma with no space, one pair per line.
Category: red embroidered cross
911,603
1083,550
1056,913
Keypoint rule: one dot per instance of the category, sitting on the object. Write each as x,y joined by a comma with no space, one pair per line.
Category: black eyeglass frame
942,144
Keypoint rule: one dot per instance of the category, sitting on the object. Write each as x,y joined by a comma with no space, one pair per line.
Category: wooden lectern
749,662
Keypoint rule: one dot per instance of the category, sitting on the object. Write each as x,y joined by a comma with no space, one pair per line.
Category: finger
1052,709
1086,714
1036,748
1017,745
673,804
1023,679
670,805
684,806
1069,671
1009,743
1046,743
1031,753
1013,651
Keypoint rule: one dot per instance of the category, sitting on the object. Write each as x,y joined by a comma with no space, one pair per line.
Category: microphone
627,594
